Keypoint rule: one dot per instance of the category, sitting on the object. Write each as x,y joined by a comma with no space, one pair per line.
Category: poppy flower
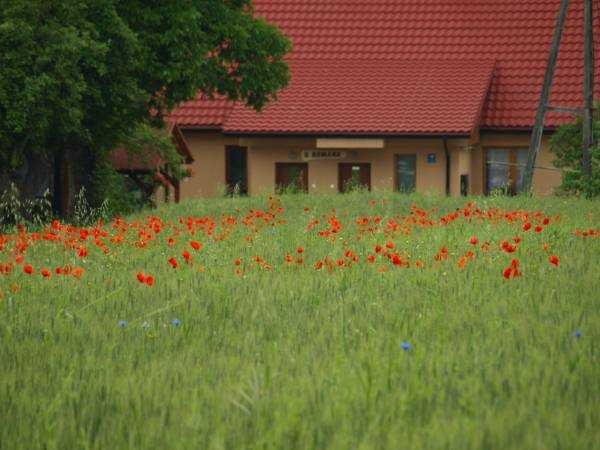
554,260
539,229
19,259
300,250
319,265
508,247
378,248
149,280
187,256
390,245
28,269
46,273
238,262
526,226
196,245
371,258
82,252
174,263
546,220
78,272
474,240
512,270
141,277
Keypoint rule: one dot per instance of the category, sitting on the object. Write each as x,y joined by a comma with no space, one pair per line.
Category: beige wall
208,150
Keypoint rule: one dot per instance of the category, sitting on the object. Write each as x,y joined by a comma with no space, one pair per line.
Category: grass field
358,321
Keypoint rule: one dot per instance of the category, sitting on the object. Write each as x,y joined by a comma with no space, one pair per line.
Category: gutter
447,153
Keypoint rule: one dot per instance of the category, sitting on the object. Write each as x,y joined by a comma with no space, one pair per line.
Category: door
236,169
291,177
353,176
406,173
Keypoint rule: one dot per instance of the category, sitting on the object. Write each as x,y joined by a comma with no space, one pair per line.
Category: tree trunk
60,199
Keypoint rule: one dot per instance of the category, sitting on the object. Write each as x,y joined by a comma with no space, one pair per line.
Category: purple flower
406,346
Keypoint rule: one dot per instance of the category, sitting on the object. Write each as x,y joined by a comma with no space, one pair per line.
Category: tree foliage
566,144
87,74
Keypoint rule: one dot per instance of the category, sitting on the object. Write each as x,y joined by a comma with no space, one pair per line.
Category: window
406,173
505,169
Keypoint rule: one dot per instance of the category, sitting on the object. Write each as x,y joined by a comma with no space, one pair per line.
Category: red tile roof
202,112
373,97
514,33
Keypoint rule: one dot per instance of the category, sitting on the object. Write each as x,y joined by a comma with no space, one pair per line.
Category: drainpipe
447,152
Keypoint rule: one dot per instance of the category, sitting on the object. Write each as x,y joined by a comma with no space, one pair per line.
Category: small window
406,173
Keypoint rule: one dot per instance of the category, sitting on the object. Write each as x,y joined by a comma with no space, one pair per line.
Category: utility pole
538,129
588,87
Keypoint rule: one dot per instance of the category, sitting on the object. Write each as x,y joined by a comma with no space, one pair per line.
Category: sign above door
311,155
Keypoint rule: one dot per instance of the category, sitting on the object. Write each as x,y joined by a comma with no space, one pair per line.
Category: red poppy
141,277
78,272
187,256
539,229
526,226
554,260
82,252
319,265
171,242
390,245
28,269
196,245
19,259
546,220
46,273
508,247
378,248
512,271
371,258
474,240
174,263
149,280
300,250
238,262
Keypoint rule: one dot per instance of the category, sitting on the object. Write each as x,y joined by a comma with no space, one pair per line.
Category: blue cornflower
406,346
122,323
176,322
578,333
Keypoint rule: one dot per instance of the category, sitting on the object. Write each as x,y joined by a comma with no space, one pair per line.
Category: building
426,95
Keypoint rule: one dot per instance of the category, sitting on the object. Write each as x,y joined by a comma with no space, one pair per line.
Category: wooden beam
538,129
565,109
588,86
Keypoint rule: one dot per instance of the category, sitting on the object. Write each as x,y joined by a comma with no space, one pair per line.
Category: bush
566,144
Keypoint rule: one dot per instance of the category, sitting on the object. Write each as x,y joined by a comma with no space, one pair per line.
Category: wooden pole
588,86
538,129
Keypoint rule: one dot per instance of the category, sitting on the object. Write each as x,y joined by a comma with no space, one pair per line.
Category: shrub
566,144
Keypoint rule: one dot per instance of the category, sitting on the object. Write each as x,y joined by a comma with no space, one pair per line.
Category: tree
566,144
79,77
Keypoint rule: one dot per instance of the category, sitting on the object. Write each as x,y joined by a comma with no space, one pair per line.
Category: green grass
298,358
